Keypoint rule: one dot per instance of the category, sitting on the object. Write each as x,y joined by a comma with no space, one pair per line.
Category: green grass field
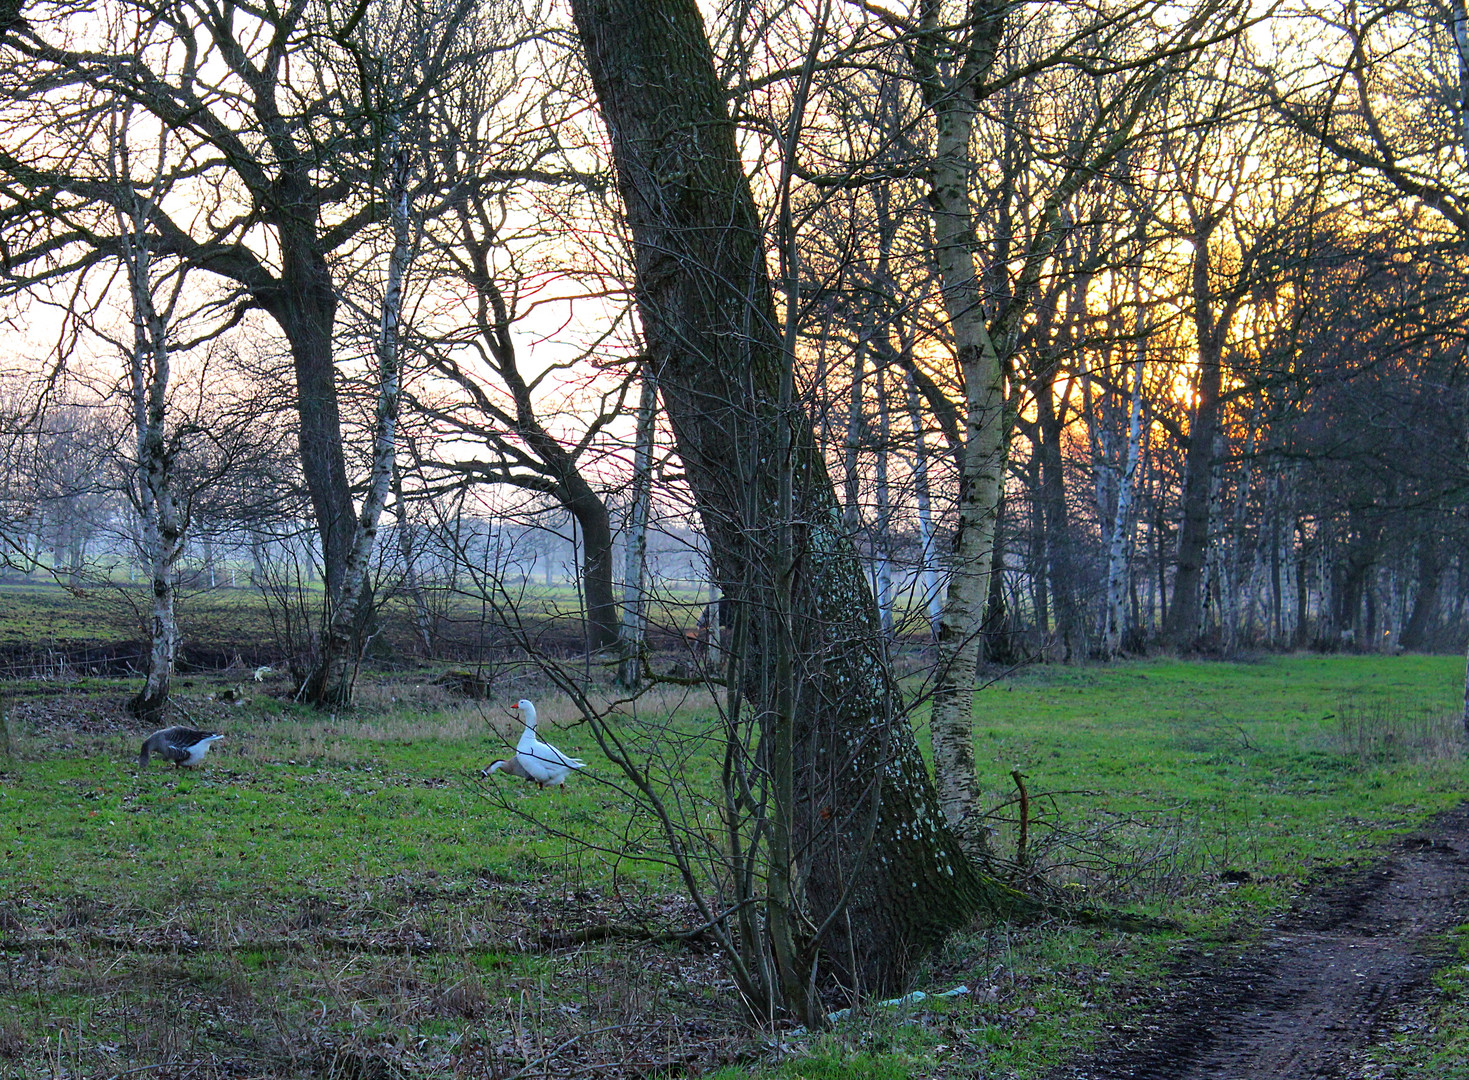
344,896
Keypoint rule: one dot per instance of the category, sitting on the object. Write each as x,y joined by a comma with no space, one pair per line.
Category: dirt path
1315,987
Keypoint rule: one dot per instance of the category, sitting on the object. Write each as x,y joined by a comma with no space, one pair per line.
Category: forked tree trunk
157,503
868,836
332,682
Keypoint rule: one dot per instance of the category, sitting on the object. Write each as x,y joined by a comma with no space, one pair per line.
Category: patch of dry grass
1373,731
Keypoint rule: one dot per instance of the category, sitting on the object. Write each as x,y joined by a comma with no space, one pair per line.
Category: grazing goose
541,763
180,745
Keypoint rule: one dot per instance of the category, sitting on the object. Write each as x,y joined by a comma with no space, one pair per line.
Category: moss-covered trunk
881,875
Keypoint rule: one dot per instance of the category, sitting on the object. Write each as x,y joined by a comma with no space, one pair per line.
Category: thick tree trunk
1185,613
868,834
599,583
304,304
1425,597
1060,561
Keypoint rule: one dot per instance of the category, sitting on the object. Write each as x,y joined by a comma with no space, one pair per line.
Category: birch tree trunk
952,65
933,595
882,541
851,480
953,103
635,546
162,521
1119,542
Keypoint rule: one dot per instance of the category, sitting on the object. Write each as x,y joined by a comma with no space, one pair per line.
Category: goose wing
547,753
544,764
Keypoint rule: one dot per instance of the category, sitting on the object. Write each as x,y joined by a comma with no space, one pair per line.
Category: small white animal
541,763
262,671
180,745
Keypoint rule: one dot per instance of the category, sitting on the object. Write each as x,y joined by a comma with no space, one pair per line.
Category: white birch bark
1119,542
161,519
1103,453
951,75
1460,19
157,503
883,571
933,594
953,104
635,546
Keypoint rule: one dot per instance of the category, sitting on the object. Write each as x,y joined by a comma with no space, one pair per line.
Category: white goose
541,763
180,745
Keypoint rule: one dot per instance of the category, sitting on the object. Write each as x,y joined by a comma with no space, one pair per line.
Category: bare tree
280,183
1384,88
156,497
960,65
1244,225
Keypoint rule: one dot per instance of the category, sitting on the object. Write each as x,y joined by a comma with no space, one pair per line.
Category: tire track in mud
1315,988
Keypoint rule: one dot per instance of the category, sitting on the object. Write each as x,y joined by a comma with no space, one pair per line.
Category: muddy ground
1318,986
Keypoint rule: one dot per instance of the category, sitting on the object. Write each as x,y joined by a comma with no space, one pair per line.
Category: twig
1020,844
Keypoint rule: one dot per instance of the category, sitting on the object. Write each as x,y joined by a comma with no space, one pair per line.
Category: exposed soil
1315,988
